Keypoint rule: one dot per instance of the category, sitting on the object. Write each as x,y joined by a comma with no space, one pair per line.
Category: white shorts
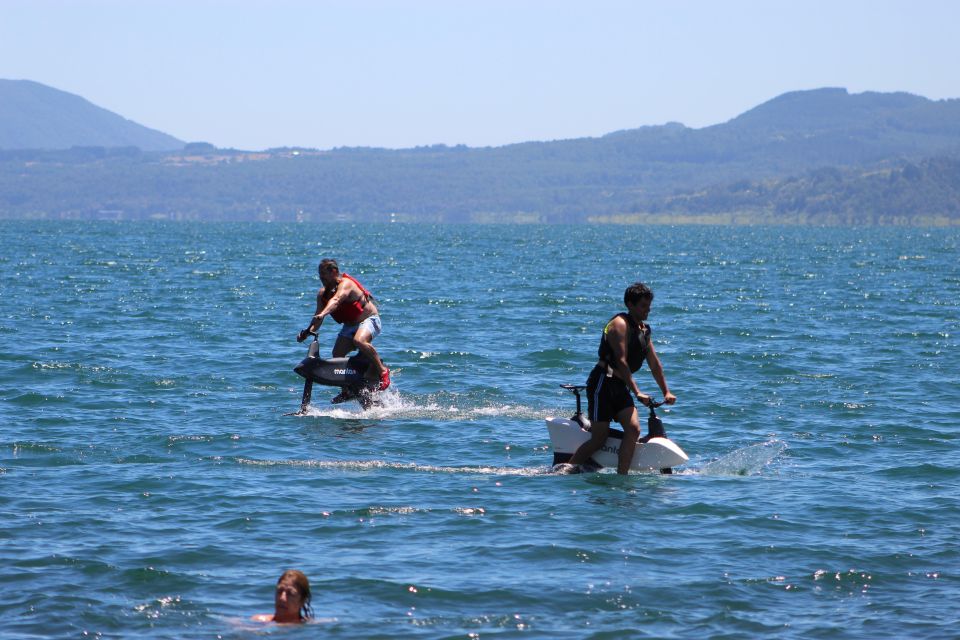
371,324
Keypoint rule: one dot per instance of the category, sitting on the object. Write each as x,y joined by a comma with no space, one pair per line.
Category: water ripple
152,487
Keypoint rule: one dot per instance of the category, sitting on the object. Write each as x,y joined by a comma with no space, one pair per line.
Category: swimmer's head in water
292,597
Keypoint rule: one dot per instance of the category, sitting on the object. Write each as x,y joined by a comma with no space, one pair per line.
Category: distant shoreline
732,219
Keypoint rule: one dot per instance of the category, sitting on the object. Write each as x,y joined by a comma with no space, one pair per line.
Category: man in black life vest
624,345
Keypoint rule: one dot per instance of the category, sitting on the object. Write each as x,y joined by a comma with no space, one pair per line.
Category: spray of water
377,465
391,404
748,461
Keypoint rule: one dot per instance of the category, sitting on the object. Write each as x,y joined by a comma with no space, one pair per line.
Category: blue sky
254,74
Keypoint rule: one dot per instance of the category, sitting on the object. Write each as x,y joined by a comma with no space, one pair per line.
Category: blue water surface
152,487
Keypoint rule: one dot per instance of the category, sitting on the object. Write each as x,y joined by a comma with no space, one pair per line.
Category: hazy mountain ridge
35,116
670,170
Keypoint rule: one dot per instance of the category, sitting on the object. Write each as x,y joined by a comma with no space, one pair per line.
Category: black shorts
606,397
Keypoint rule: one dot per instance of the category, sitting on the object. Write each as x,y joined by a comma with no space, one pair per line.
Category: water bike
654,452
346,373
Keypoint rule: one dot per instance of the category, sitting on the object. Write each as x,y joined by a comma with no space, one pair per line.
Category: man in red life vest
348,302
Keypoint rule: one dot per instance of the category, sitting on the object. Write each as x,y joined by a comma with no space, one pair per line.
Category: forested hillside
811,156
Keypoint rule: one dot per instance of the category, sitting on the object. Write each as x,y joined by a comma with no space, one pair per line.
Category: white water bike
654,452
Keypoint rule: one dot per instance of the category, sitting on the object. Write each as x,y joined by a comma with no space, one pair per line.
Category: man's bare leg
631,433
598,435
363,341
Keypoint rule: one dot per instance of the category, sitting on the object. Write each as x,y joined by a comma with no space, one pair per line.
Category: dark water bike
347,373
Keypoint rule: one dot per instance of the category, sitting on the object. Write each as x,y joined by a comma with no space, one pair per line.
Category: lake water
152,487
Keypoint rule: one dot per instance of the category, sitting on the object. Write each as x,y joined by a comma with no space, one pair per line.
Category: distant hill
822,155
804,129
35,116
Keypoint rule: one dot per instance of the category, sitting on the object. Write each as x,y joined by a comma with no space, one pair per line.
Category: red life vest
350,312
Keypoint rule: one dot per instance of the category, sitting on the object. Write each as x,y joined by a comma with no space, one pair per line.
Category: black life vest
638,340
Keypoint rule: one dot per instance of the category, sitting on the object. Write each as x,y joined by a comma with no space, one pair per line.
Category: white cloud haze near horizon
258,74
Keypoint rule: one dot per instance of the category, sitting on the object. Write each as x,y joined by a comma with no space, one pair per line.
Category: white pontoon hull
653,455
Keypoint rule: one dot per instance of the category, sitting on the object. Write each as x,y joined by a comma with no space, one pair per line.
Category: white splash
747,461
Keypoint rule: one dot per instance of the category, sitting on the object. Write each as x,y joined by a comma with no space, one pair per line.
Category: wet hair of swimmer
300,581
328,264
636,292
